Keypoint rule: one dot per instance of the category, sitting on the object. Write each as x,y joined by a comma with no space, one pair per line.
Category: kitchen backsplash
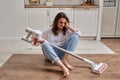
67,2
63,2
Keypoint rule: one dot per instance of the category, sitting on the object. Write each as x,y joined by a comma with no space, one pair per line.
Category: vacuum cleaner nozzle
99,68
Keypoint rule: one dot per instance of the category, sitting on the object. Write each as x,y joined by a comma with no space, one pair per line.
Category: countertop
60,6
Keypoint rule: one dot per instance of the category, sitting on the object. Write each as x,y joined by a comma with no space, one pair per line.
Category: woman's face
61,23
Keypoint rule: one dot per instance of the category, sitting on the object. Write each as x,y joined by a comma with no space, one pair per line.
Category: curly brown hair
55,22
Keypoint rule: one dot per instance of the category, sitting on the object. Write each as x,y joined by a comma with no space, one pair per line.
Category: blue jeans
54,54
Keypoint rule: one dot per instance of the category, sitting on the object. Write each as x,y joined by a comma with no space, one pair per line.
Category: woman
63,35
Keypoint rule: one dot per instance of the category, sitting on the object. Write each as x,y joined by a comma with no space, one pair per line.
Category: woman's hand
35,41
41,40
67,25
70,28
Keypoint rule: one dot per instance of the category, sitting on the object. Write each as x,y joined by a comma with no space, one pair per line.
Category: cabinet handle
47,13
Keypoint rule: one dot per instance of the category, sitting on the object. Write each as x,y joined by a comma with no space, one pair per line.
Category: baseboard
19,38
10,38
87,38
110,38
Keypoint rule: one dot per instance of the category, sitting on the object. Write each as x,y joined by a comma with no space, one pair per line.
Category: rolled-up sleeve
78,33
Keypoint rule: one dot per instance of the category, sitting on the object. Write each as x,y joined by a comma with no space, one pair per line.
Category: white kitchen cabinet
111,19
118,22
108,21
37,18
68,11
86,21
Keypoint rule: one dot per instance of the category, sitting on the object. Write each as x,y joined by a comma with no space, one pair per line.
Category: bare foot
67,65
63,68
65,72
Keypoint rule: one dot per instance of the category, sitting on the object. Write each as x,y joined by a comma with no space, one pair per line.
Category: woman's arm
70,28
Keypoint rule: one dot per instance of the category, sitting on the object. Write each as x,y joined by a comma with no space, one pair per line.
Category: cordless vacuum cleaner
37,34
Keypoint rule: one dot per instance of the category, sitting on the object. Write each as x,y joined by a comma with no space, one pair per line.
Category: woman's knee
75,37
49,51
72,42
45,45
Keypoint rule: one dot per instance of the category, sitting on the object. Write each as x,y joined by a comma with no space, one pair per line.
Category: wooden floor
34,67
114,44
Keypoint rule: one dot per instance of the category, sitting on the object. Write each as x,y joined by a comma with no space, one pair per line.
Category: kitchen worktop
60,6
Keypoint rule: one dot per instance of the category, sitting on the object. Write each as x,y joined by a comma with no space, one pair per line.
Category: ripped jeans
54,54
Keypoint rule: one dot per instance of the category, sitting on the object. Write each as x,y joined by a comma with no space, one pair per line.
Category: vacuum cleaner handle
74,55
38,34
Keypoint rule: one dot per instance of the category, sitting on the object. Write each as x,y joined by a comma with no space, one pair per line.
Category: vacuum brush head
100,68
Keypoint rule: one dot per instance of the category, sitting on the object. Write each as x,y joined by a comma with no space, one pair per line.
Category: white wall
12,19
